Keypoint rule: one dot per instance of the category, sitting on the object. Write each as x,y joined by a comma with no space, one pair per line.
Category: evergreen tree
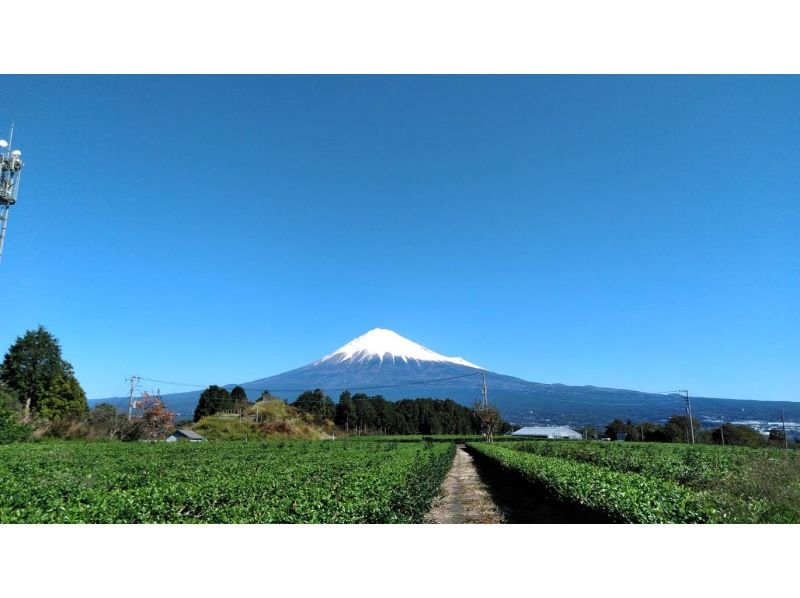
239,398
617,430
738,435
365,413
34,370
345,416
316,403
11,428
677,429
213,400
66,400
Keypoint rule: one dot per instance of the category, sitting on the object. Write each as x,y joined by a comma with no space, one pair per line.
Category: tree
105,420
11,428
644,432
65,401
617,430
239,398
9,399
776,436
212,400
34,370
677,429
158,420
365,413
316,403
737,435
489,418
345,416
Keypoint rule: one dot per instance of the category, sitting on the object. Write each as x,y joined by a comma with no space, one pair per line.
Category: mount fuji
378,362
381,362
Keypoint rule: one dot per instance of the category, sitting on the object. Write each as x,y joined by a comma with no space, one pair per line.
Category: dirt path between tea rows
465,498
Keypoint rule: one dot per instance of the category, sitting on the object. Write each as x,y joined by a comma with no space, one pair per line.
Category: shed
548,432
185,434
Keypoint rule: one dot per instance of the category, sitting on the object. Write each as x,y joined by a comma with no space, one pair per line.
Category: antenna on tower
10,173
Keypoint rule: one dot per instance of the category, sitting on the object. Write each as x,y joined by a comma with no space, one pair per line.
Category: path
465,498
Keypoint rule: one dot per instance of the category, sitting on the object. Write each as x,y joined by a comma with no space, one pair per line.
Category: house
185,434
548,432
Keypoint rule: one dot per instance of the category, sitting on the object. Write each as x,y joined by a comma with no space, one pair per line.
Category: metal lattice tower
10,172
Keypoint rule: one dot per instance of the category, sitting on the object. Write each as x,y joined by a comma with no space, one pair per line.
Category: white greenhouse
548,432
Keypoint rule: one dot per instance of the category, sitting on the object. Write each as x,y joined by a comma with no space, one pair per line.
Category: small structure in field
185,434
548,432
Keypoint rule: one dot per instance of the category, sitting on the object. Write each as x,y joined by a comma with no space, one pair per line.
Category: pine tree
34,370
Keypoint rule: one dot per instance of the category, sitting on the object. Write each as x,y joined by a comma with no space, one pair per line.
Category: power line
176,383
262,388
590,402
418,382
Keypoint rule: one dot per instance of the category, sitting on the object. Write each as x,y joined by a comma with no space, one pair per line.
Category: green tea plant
225,482
625,497
739,484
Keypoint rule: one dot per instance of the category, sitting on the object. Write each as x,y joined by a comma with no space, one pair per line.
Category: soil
474,491
464,497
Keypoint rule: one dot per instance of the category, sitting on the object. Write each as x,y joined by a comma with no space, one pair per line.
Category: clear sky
633,232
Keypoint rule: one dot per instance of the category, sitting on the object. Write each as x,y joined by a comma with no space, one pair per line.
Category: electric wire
261,388
638,403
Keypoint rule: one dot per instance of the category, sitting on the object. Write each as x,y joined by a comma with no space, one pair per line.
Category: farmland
658,483
267,482
389,479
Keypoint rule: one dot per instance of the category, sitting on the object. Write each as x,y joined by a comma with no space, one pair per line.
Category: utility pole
688,406
10,173
483,391
134,380
785,440
722,433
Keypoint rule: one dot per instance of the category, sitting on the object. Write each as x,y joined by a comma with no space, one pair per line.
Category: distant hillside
383,362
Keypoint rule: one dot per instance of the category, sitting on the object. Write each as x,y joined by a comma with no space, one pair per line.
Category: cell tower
10,171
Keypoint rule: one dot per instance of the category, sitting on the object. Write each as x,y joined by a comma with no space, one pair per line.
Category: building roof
548,431
190,434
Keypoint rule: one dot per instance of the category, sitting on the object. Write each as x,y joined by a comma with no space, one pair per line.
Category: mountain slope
383,362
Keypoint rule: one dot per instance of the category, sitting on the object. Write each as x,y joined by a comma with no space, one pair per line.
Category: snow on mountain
386,344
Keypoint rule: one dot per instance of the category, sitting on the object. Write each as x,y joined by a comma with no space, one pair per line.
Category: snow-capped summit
387,345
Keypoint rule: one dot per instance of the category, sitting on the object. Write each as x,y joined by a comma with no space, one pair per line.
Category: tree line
677,429
360,413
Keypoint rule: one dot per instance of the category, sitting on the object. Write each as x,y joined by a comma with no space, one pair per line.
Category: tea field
225,482
658,483
386,480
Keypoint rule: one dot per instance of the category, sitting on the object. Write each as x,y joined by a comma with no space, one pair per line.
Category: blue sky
634,232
